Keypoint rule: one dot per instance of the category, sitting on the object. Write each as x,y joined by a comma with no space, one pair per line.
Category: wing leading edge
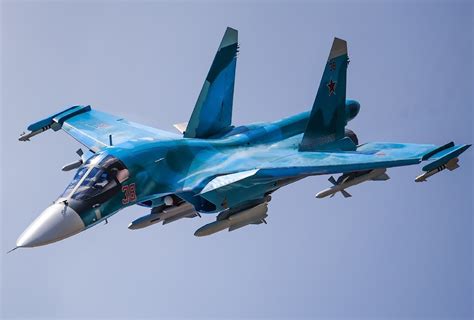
95,129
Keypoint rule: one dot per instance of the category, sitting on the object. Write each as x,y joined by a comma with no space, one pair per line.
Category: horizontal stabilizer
343,144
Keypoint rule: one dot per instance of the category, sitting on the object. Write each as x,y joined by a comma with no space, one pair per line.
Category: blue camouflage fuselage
214,167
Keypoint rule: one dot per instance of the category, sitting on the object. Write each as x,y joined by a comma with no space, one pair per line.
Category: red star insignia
332,87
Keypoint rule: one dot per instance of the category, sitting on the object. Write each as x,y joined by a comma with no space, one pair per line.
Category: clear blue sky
396,250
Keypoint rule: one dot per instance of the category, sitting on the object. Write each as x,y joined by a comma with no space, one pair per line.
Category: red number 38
129,193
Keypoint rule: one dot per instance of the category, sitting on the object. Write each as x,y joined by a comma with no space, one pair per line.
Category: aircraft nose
55,223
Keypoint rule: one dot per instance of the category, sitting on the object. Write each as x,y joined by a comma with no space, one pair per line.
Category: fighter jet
213,167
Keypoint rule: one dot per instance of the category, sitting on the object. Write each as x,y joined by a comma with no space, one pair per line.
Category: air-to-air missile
349,180
450,165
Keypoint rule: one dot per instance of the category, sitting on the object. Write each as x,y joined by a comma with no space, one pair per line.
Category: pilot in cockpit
97,176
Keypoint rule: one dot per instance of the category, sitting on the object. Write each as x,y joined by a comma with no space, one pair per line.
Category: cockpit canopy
98,175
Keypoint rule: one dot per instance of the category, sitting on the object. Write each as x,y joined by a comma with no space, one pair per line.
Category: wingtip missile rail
447,158
27,136
450,165
54,122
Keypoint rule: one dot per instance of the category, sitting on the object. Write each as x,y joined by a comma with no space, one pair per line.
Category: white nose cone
55,223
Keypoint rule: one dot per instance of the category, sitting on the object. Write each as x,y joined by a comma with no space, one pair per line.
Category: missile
253,215
167,215
351,180
185,210
26,136
144,221
450,165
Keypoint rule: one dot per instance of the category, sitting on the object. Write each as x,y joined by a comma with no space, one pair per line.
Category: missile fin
346,194
452,164
453,167
332,180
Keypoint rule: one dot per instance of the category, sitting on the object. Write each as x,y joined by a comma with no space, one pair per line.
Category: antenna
12,250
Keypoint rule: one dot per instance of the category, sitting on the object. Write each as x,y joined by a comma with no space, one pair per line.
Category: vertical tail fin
327,121
212,113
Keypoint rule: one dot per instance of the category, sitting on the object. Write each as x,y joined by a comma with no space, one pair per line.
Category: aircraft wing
237,173
95,129
253,179
367,157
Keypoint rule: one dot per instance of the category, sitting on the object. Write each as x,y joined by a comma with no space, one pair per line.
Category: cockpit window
96,177
87,186
102,180
77,177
